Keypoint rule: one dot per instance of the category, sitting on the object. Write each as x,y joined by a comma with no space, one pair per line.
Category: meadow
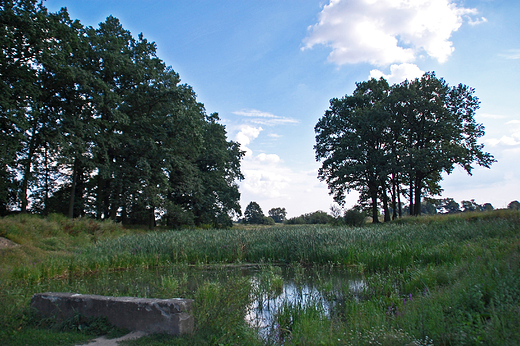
437,280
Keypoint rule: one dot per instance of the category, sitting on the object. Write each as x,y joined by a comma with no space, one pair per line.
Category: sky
269,68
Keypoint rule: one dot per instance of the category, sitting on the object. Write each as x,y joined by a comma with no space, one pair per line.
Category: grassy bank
451,279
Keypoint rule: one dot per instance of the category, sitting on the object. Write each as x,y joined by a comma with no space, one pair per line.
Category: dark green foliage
514,205
354,217
315,218
381,139
487,207
299,220
470,206
448,206
95,124
254,214
278,214
268,221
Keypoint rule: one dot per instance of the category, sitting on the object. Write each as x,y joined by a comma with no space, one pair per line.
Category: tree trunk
100,197
385,208
418,188
151,222
394,203
373,195
27,171
411,196
73,189
399,201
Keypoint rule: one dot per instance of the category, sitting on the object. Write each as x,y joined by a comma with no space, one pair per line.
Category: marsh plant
451,280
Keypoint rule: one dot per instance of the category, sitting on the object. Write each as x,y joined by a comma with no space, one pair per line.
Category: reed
425,281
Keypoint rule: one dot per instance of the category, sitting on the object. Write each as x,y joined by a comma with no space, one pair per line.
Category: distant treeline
357,216
93,123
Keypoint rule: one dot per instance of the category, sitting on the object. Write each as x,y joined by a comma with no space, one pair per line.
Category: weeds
451,280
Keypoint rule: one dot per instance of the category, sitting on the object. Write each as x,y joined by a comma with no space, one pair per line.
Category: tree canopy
278,214
254,214
93,123
392,141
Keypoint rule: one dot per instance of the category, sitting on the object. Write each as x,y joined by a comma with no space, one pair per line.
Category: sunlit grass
452,279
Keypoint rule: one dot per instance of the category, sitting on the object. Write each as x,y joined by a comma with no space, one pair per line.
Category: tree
352,143
278,214
354,217
253,214
93,123
514,205
470,206
382,137
487,207
439,132
448,206
219,167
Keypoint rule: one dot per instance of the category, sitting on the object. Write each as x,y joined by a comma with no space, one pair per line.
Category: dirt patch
6,243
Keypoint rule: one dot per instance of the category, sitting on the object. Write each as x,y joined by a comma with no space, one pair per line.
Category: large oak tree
380,138
94,123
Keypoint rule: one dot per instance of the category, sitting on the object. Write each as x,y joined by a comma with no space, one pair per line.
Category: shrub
354,217
267,220
295,221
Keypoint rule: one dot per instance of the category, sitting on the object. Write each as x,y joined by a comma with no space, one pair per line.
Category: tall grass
373,248
454,280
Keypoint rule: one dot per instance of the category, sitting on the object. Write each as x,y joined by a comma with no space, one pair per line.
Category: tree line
356,216
394,142
93,123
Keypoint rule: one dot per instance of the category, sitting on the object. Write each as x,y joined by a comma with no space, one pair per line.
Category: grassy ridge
453,279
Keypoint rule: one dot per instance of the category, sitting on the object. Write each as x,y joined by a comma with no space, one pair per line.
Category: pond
275,292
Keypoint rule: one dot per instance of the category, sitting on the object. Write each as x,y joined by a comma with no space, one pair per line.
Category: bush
354,217
295,221
318,217
267,220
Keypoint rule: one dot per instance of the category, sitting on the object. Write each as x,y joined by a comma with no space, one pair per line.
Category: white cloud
264,183
399,73
268,158
509,141
387,31
246,135
265,118
477,21
511,54
504,140
492,116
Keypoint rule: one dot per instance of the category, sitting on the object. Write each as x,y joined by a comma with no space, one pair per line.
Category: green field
443,280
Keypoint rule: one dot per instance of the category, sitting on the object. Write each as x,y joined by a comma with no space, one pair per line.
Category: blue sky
269,68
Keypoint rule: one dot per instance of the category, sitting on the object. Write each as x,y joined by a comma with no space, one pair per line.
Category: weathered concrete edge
170,316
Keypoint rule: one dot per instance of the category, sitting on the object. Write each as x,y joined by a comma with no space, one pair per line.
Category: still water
273,288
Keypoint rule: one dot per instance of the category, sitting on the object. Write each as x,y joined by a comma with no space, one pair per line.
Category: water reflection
277,293
317,288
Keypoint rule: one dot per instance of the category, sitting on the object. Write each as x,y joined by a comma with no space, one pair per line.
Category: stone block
169,316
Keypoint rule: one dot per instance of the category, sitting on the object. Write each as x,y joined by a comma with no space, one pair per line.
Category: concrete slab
170,316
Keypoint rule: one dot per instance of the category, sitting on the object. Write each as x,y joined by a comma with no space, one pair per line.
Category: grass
443,280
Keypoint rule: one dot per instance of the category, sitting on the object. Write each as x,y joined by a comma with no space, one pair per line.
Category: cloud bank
385,32
513,140
265,118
